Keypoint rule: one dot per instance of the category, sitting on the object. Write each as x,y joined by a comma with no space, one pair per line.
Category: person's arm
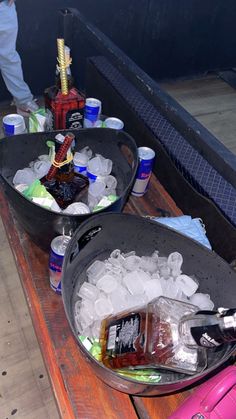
10,2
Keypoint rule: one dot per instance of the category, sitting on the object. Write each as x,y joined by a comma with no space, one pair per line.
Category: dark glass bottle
209,329
61,181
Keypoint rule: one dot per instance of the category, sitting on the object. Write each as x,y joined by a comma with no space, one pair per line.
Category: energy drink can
92,112
114,123
57,253
146,159
13,124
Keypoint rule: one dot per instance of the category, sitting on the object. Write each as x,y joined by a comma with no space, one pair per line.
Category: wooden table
78,392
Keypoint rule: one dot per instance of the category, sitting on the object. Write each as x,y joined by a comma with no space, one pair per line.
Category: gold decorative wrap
62,65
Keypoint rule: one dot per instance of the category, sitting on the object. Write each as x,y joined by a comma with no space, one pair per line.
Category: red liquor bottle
63,102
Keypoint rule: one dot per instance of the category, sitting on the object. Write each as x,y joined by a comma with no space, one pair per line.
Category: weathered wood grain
78,392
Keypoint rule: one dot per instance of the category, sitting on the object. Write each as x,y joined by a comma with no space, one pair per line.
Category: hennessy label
122,334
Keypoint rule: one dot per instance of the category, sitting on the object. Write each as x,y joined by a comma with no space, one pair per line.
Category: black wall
167,38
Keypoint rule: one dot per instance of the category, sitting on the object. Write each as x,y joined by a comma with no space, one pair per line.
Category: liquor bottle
63,102
62,182
209,329
150,337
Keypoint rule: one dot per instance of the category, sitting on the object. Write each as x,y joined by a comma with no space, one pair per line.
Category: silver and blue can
13,124
114,123
57,253
146,160
92,112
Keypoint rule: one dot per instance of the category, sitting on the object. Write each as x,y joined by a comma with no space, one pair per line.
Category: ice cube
175,261
97,189
180,296
95,271
165,271
111,182
162,261
133,301
103,307
95,329
186,284
114,262
87,151
155,256
44,157
118,298
77,208
156,276
115,254
41,168
171,290
106,165
148,264
203,301
92,202
107,283
134,283
153,289
116,271
78,307
26,176
132,262
86,315
88,291
95,166
81,158
78,324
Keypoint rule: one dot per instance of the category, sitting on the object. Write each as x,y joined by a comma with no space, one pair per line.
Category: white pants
10,62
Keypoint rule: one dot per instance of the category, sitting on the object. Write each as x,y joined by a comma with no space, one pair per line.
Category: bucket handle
83,241
217,392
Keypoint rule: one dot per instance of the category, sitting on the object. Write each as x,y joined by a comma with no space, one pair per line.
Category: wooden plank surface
78,392
211,101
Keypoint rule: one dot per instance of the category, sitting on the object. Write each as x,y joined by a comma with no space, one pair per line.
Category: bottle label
123,333
74,119
209,336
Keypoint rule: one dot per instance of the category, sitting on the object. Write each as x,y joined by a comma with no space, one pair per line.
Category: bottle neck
70,81
67,169
67,62
209,329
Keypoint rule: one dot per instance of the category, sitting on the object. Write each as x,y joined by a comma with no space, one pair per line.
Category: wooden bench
78,392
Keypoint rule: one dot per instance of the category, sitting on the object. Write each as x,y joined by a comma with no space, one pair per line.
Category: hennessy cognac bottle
64,103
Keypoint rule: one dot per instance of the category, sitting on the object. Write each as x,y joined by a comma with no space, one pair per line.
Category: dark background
167,38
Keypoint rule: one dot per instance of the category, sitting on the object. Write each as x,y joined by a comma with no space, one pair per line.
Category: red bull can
92,112
146,160
114,123
57,253
13,124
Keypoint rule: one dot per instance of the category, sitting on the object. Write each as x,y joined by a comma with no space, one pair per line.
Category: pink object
215,399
